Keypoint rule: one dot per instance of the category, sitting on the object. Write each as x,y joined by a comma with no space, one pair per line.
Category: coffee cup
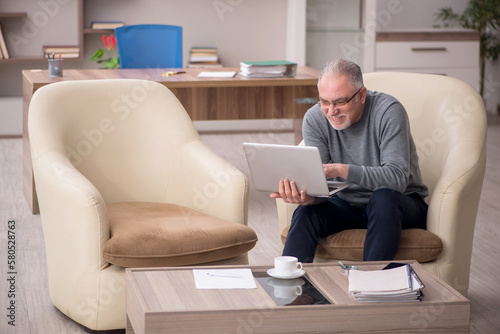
287,265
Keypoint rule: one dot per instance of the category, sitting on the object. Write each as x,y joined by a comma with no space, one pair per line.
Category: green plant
112,60
482,16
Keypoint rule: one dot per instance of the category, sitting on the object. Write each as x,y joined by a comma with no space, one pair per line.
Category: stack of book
105,25
204,57
66,52
400,284
268,69
4,53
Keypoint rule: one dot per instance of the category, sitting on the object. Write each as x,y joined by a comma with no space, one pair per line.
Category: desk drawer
426,54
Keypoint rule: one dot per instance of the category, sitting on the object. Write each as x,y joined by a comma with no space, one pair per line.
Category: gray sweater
379,148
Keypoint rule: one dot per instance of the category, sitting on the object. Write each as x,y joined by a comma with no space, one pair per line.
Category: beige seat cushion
415,244
158,234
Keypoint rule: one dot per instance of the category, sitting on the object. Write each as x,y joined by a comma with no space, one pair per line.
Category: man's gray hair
339,67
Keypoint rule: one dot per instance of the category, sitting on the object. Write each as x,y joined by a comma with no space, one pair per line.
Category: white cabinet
447,53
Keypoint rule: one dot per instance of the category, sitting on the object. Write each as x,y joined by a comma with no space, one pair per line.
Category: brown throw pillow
159,234
416,244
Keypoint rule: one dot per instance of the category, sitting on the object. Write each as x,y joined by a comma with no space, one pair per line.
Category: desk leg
28,180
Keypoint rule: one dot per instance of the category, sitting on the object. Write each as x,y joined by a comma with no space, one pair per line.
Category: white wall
241,30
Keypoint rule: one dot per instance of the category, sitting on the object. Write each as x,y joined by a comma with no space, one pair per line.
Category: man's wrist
343,170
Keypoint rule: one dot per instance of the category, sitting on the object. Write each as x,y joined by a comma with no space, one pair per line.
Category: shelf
17,15
13,15
27,59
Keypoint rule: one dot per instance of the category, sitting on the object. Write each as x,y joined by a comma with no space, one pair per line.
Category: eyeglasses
340,103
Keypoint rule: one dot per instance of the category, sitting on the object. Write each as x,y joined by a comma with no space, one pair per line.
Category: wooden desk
237,98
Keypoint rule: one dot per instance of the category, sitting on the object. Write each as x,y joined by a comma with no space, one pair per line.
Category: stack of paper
268,69
399,284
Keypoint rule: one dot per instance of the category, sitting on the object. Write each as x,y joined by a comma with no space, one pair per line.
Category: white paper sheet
224,279
220,74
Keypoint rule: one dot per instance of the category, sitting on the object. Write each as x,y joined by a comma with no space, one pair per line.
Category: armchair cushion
147,234
417,244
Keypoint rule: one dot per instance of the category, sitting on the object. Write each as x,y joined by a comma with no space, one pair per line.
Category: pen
169,73
347,267
218,275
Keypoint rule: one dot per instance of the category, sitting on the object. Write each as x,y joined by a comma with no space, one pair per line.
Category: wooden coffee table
165,300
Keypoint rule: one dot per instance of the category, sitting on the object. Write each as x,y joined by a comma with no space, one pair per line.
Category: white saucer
272,272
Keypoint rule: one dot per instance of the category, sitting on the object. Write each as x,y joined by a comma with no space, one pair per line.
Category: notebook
270,163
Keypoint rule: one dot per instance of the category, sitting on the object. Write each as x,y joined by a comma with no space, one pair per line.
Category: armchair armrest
70,228
285,213
75,230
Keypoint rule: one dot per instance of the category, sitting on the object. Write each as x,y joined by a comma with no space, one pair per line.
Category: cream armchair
111,157
448,124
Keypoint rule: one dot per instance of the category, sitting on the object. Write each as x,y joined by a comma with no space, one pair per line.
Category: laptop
270,163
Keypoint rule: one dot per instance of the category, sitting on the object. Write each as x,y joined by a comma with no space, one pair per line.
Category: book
106,24
3,45
266,63
400,284
268,69
203,58
60,49
204,49
64,55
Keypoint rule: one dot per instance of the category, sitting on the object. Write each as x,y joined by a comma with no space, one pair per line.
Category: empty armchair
149,46
123,180
448,124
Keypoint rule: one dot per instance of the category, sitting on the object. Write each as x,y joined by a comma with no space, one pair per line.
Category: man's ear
362,95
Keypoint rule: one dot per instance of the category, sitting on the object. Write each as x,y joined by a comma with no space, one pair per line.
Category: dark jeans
386,214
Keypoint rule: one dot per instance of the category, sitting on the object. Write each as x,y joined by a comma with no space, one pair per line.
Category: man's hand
336,170
290,194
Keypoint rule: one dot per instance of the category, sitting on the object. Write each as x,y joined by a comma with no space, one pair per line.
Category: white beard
342,126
